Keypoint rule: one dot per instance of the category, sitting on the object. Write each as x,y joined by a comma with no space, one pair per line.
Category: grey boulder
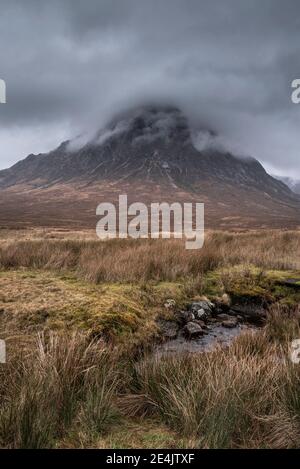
192,330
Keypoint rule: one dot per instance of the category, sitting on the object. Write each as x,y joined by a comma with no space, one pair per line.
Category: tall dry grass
143,260
62,379
246,396
66,386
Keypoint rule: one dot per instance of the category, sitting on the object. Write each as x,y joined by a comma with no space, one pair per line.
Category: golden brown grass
245,396
125,314
144,260
69,391
64,389
61,378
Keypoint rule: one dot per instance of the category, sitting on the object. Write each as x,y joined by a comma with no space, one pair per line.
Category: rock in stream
202,326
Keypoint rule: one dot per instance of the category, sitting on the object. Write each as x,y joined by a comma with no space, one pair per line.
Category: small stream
204,326
217,336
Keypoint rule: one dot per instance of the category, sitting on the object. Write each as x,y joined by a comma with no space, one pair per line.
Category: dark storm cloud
70,65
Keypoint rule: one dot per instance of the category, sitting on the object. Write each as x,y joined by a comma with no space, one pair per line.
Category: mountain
150,145
152,154
293,184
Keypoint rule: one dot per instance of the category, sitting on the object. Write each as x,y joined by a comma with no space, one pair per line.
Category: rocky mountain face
150,152
293,184
149,145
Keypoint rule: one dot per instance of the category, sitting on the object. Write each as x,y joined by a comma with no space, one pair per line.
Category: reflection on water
218,335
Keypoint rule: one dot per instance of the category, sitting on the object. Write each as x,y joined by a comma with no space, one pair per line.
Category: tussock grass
283,323
246,396
60,380
66,388
144,260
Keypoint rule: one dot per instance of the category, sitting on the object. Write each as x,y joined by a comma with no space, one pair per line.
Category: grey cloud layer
70,65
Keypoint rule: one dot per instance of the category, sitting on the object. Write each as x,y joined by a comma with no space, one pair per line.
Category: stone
192,330
201,314
230,323
206,305
201,323
201,309
170,303
212,320
185,316
223,317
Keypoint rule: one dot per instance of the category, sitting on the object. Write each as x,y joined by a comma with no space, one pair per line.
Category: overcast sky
69,65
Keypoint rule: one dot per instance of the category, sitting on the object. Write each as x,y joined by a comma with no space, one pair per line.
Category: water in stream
218,335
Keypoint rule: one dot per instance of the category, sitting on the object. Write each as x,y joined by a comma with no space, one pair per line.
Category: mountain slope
152,154
293,184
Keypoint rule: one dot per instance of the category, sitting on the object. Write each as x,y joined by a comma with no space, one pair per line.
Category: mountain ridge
152,151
